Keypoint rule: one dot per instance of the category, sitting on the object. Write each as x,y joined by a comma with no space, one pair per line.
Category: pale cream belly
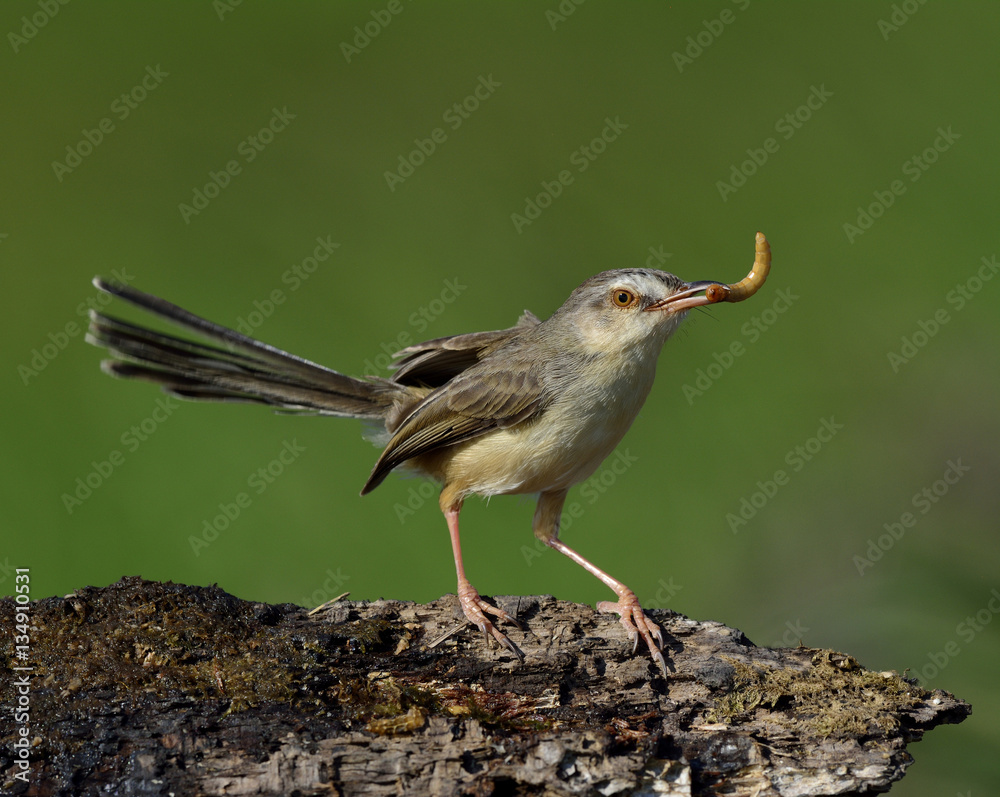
562,447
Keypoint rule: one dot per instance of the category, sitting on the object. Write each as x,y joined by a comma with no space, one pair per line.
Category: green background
790,572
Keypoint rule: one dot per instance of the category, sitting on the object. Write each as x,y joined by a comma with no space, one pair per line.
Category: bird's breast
562,446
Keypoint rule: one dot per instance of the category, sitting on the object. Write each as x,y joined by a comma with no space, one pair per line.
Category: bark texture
144,688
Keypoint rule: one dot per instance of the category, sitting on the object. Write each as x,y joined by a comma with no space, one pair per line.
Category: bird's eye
621,297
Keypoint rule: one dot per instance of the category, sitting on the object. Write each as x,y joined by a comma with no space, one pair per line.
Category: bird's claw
637,624
476,609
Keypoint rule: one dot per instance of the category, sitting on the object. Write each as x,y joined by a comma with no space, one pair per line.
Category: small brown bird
534,408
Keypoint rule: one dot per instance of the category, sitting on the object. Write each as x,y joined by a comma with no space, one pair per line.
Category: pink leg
473,605
546,528
627,606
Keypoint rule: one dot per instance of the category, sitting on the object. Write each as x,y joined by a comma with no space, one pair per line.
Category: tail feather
245,370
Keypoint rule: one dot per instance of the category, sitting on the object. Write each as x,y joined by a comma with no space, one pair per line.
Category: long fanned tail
244,370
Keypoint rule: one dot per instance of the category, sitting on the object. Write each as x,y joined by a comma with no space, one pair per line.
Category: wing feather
491,395
434,362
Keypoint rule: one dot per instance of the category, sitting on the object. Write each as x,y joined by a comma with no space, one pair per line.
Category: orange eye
621,297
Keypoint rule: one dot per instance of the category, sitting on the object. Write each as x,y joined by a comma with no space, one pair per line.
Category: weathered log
150,688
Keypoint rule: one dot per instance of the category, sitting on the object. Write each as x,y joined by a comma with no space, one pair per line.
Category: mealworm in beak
750,284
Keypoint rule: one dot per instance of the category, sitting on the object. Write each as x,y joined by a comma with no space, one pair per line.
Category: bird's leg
473,605
546,526
627,606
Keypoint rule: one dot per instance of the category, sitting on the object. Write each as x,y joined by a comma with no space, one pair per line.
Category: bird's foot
637,624
476,609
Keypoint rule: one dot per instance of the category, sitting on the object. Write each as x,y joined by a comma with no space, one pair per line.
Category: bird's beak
686,298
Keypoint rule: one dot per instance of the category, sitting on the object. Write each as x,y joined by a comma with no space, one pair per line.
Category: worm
750,284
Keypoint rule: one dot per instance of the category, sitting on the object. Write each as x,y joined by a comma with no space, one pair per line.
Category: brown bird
534,408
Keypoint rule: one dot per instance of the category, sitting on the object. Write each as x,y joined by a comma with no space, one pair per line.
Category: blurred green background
799,119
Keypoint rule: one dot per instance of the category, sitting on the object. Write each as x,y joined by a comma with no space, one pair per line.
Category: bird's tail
242,369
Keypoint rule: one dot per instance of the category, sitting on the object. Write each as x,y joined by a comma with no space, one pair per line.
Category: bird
531,409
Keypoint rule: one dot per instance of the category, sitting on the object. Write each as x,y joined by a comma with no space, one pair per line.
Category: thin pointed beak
686,298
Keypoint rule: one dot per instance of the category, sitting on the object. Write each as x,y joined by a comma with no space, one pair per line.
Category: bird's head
631,307
626,307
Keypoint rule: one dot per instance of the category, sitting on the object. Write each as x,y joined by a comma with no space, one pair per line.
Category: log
160,688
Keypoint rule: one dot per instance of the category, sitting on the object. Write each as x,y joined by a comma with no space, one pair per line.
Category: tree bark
149,688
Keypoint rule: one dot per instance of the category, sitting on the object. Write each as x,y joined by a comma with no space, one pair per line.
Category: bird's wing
475,402
434,362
